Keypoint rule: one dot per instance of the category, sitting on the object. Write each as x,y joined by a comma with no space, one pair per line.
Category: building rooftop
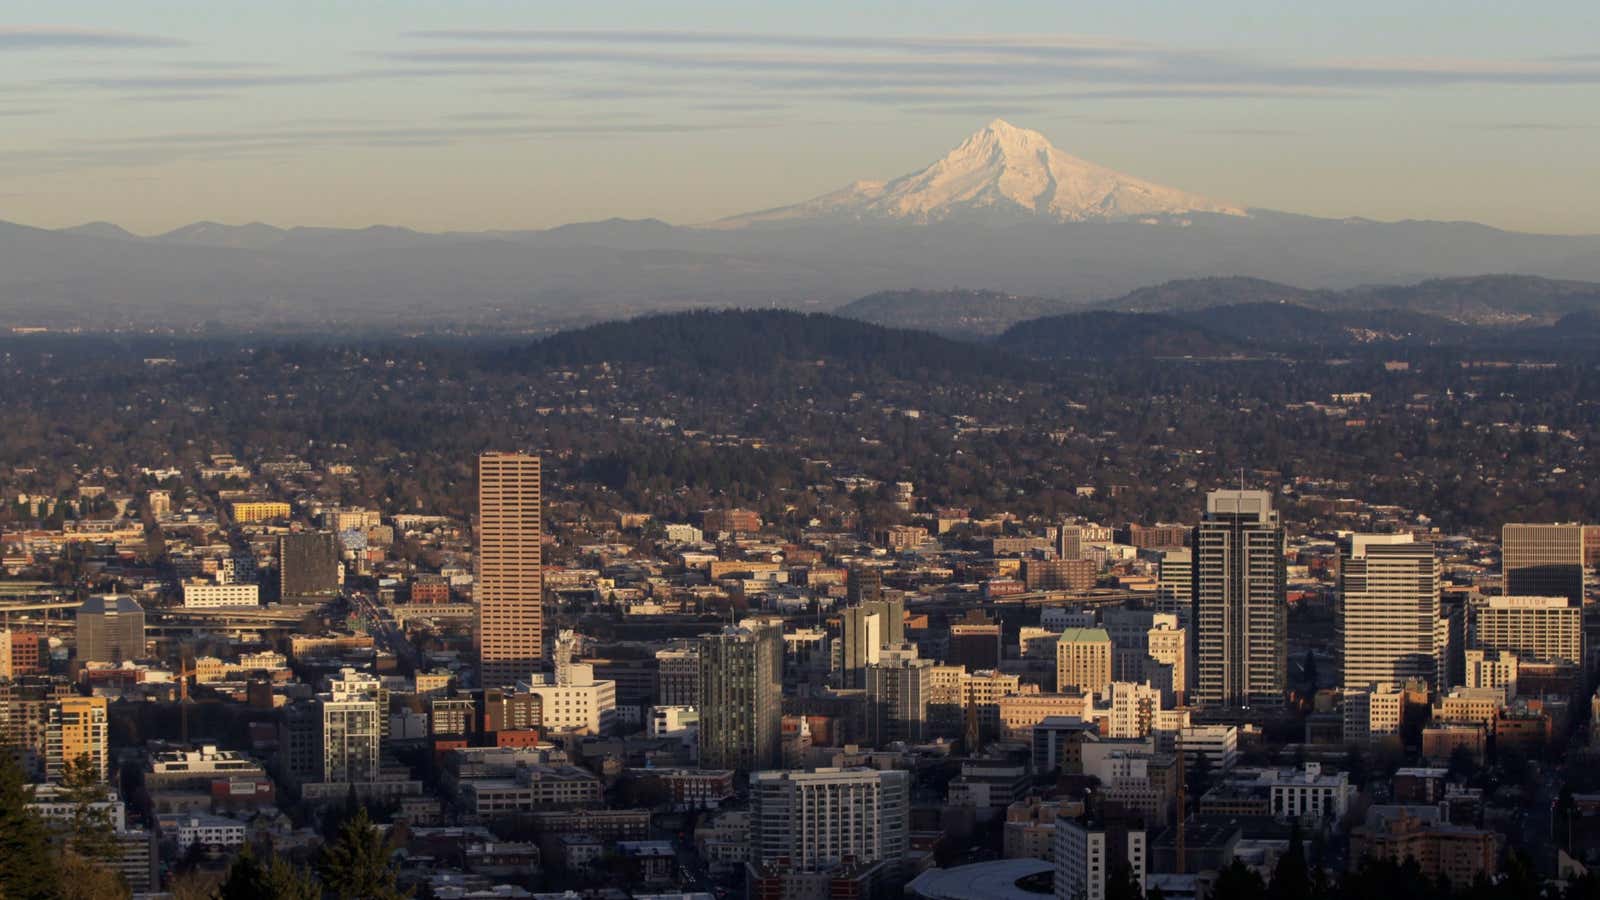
1005,879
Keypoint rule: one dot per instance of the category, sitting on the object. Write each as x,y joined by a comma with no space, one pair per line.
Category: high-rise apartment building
77,730
309,565
1240,611
509,587
1543,561
1083,660
110,629
817,820
1088,852
351,730
741,702
1389,612
1536,629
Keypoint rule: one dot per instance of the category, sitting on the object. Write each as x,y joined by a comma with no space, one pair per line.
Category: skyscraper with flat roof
1543,561
509,586
1389,611
1240,608
308,565
741,697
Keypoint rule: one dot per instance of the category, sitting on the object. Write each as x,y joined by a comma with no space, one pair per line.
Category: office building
818,820
309,566
863,584
210,595
868,628
572,701
1166,663
76,731
509,586
1240,611
898,687
1543,561
1083,660
1492,669
1089,851
678,676
1175,584
1059,574
1389,611
1537,629
110,628
975,642
741,685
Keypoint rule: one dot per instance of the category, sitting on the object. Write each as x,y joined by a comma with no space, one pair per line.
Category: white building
208,595
1308,793
816,820
210,831
684,534
52,804
573,700
1219,744
1087,852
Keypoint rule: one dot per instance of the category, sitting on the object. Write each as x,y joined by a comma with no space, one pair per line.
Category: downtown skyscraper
1389,622
1240,608
741,697
509,586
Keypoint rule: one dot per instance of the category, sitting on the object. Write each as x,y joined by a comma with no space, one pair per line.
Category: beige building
1389,611
1083,660
509,586
1536,629
1492,669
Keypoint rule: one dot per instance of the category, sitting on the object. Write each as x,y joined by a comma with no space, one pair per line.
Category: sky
477,114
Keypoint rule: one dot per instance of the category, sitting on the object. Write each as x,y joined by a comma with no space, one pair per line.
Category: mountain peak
1001,172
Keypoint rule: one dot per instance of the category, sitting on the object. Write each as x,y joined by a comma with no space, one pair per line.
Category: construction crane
1183,795
185,671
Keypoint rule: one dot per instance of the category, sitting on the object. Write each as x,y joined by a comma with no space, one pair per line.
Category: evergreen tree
277,879
358,864
90,832
26,872
1239,882
1290,880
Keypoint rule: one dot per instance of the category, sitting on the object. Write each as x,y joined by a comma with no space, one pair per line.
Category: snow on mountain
1000,173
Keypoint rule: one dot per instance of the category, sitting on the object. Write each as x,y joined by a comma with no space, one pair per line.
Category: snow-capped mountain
1001,172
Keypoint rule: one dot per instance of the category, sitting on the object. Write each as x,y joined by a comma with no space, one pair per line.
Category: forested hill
745,341
1112,335
952,313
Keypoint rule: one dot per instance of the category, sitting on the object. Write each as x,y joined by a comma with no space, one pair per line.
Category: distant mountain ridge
1005,212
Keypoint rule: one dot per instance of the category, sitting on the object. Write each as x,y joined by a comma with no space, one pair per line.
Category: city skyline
482,116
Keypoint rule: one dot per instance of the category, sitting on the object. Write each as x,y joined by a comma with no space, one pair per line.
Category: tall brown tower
509,586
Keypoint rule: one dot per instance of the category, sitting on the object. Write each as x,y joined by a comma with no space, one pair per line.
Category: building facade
1240,612
509,585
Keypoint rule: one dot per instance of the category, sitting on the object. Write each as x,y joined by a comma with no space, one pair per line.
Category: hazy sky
474,114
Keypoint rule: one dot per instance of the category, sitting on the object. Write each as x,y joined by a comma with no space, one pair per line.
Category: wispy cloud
52,37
